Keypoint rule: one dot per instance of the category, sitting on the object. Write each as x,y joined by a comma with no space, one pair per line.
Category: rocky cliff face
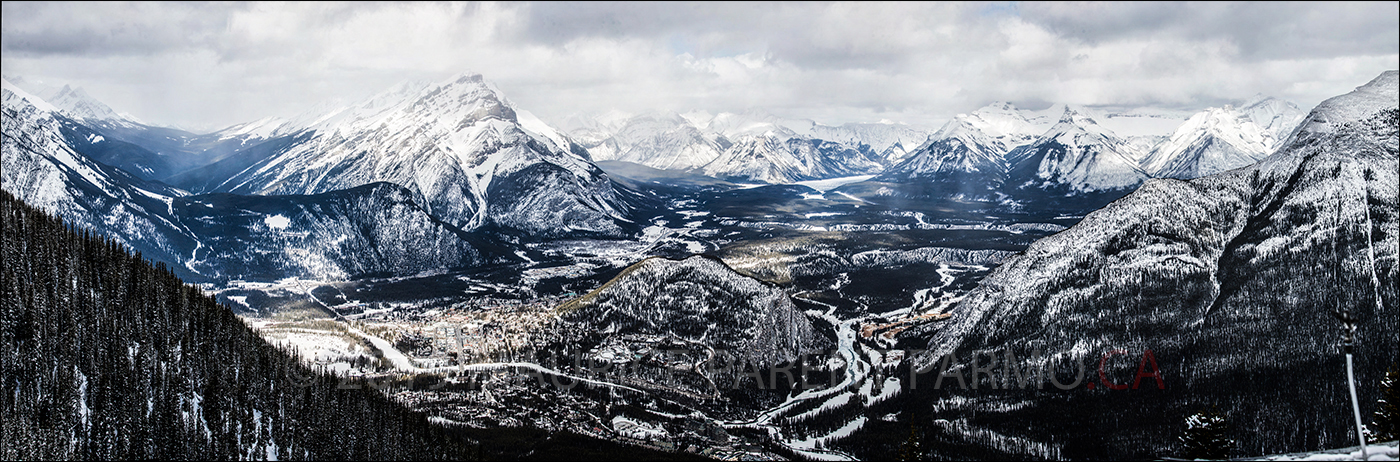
1230,280
701,300
471,155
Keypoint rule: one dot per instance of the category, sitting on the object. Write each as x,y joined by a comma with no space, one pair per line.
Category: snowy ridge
1078,153
1220,139
1212,141
1352,107
40,168
700,299
752,146
460,145
74,103
1231,274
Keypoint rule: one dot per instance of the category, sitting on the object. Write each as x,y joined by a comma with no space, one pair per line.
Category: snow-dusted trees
1206,435
1385,423
106,356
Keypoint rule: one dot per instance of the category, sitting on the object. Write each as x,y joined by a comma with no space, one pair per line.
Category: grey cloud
108,28
818,35
227,63
560,22
1261,30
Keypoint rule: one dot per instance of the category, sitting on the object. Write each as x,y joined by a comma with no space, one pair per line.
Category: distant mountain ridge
1220,139
970,158
1229,279
467,151
747,147
1076,153
378,228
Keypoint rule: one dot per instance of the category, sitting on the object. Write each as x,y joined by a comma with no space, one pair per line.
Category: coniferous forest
107,356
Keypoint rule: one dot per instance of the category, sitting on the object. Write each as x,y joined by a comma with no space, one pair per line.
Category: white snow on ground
392,354
833,183
316,346
639,430
1381,451
854,198
808,447
277,222
828,405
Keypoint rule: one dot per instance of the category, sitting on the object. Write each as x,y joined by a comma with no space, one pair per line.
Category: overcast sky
212,65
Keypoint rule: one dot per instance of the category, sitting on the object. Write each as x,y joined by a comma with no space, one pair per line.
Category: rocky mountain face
108,356
42,169
1230,280
379,228
700,300
473,157
1076,154
1220,139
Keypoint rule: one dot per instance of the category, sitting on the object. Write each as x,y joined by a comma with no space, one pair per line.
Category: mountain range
748,147
360,230
1230,280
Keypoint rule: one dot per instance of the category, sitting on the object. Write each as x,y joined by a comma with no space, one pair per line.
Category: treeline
106,356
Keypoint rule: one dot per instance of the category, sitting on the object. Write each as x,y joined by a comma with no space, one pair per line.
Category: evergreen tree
1206,435
912,449
1385,423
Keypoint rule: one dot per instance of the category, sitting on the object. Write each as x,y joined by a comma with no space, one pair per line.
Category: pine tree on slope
1207,435
1385,423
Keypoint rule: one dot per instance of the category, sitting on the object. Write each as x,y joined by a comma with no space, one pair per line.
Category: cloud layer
211,65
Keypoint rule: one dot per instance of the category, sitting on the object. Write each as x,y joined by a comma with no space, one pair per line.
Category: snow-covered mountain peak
1366,100
1211,141
1076,115
1276,117
699,118
1080,154
1076,126
73,102
12,91
76,103
1005,121
751,122
999,106
459,143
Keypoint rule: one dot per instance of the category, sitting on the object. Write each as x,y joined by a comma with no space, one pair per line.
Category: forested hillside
105,356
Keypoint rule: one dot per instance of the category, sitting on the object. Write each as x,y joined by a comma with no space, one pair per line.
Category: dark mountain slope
1230,280
105,356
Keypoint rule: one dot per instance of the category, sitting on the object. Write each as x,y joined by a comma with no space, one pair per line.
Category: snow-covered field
1378,451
